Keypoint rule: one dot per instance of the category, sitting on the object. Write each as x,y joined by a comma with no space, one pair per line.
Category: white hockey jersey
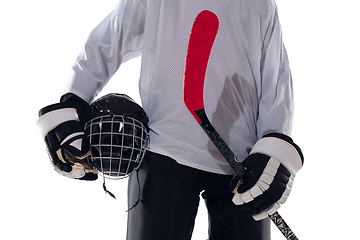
248,86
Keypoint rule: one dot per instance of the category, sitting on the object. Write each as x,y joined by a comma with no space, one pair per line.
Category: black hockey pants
169,199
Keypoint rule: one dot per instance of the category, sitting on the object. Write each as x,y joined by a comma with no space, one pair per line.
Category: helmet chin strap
107,191
137,202
112,195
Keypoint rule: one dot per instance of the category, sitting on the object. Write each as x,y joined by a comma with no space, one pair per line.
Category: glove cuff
75,101
281,148
51,119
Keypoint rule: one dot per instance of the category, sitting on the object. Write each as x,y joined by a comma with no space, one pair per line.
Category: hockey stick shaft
220,144
282,226
238,167
201,40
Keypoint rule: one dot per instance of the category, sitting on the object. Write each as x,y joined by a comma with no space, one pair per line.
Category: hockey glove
66,142
271,167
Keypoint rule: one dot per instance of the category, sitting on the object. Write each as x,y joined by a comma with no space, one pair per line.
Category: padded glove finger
65,140
264,186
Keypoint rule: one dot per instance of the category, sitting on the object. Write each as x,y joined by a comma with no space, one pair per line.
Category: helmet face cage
118,145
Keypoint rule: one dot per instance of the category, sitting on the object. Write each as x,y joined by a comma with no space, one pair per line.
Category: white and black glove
271,168
66,142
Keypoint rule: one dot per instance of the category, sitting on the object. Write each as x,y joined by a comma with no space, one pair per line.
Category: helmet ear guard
118,132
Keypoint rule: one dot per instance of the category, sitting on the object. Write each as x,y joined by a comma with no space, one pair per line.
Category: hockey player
248,96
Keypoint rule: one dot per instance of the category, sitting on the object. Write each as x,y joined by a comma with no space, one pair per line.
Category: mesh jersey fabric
248,85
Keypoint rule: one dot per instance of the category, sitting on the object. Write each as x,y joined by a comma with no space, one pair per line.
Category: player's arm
116,39
275,159
276,105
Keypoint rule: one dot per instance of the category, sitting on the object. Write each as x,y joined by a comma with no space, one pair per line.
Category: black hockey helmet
117,128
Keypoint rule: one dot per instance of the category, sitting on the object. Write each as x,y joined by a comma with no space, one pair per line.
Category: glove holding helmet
63,132
115,141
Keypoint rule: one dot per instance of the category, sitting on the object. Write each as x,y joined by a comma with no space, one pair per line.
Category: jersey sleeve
276,99
115,40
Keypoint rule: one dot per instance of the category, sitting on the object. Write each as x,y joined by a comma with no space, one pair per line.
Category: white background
41,39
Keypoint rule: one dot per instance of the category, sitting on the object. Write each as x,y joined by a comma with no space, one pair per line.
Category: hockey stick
201,40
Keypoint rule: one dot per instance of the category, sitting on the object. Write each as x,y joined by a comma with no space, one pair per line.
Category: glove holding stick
270,171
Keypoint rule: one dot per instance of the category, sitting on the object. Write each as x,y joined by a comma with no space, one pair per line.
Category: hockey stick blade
202,37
